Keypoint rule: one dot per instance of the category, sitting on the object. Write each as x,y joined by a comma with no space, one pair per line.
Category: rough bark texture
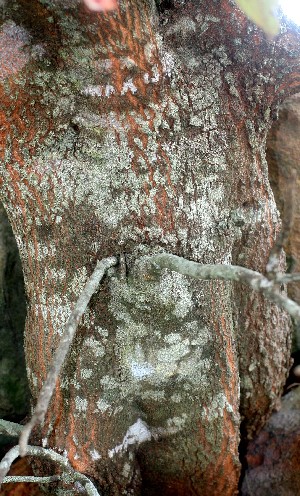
283,149
127,133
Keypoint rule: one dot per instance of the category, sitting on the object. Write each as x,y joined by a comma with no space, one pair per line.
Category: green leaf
262,12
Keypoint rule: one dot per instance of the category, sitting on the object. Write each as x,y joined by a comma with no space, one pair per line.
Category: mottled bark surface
283,149
127,133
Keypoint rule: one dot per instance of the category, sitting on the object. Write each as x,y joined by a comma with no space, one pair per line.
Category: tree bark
126,133
283,163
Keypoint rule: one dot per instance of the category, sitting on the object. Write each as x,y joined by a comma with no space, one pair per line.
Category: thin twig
287,278
228,273
63,348
30,478
49,454
10,428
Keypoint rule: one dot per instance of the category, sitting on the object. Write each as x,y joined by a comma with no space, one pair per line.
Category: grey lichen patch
86,373
217,408
184,26
81,404
13,53
233,85
154,395
100,162
252,136
103,406
176,398
108,162
58,309
96,348
159,346
175,287
172,338
109,382
126,470
78,281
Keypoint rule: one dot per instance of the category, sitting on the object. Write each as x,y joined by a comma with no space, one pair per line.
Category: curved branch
49,454
63,348
10,428
256,281
287,278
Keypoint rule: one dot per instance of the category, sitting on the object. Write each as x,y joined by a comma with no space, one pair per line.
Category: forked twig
70,474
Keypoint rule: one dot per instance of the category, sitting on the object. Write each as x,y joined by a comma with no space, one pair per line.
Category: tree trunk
283,162
126,133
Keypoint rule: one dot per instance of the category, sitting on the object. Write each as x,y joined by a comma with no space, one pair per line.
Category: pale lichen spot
153,395
126,470
109,90
59,314
109,382
81,404
156,75
217,407
45,251
172,338
136,434
13,53
103,406
34,379
176,398
184,26
93,90
95,454
79,280
55,274
75,384
175,289
128,85
101,331
168,358
177,422
96,347
86,373
174,425
141,370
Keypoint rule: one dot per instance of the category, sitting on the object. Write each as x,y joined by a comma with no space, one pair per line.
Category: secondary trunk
125,133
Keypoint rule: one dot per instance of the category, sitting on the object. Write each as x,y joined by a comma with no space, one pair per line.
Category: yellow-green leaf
262,12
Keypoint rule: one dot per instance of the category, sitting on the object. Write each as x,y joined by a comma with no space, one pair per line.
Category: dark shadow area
14,391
